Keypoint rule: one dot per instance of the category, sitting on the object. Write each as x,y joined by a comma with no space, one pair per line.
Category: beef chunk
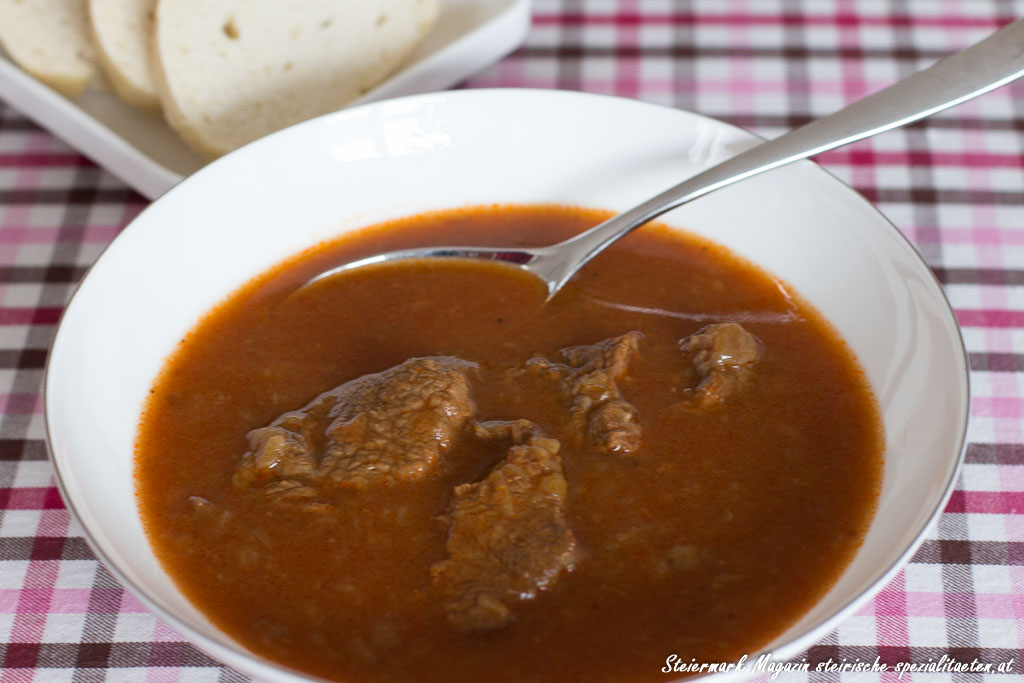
724,357
589,377
381,428
508,538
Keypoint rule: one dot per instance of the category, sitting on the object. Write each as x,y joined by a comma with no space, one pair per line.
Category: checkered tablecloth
953,184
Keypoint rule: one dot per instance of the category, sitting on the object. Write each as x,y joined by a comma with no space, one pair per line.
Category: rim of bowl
224,648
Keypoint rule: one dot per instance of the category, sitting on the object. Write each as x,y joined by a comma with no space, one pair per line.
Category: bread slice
230,71
121,31
50,40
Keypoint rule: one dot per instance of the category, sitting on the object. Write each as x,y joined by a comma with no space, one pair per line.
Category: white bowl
249,210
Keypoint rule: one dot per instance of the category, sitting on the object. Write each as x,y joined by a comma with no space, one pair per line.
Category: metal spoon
987,65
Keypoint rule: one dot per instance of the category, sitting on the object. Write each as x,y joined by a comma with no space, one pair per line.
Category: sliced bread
230,71
50,40
122,30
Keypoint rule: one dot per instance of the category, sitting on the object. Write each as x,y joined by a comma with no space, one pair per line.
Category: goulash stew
423,472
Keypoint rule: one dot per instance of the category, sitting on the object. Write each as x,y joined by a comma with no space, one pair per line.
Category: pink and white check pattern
953,184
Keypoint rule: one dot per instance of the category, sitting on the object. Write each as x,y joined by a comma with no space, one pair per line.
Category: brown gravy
718,533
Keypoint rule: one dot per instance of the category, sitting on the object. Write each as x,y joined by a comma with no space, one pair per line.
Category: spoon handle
982,67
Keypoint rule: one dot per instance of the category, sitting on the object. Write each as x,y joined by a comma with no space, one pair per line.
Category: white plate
365,164
141,150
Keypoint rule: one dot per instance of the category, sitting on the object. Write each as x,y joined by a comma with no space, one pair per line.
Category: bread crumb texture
50,40
122,31
230,71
